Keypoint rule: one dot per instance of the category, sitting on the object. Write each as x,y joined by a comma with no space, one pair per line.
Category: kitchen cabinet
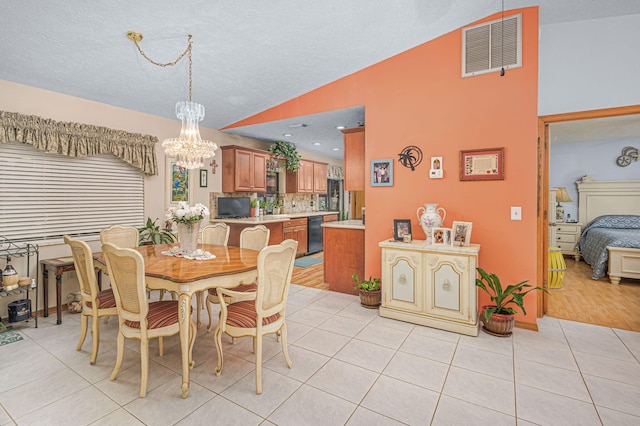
355,172
329,218
431,285
319,178
310,178
296,229
244,169
343,243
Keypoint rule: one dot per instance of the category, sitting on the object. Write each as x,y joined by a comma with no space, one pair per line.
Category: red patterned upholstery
161,314
245,288
106,299
243,314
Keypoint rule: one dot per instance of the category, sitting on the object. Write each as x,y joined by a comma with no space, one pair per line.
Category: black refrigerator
335,196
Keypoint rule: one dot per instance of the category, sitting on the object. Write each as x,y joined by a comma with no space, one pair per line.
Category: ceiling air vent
490,46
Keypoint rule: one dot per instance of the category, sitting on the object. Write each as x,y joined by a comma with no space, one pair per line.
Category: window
45,196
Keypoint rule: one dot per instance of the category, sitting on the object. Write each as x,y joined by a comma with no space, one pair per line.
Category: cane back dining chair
265,312
95,303
137,317
217,234
254,238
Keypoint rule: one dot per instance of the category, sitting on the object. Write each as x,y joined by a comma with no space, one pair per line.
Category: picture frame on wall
382,172
461,234
203,178
401,227
482,164
441,236
178,183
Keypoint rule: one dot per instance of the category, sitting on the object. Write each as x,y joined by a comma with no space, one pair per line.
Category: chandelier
189,149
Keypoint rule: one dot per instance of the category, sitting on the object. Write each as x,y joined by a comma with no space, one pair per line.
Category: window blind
45,196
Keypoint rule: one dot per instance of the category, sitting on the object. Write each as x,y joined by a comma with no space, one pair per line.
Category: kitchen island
343,254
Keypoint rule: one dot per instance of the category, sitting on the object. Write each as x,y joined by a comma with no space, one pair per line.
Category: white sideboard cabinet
432,285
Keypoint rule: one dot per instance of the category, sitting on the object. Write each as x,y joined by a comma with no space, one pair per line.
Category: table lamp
561,197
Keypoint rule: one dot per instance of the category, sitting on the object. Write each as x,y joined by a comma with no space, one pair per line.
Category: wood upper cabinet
354,167
319,178
311,177
244,169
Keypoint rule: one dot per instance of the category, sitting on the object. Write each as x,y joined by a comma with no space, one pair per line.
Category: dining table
166,269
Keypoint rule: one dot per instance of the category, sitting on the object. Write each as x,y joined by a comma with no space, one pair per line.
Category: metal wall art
629,154
410,157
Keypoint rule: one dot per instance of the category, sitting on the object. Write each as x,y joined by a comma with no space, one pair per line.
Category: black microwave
272,182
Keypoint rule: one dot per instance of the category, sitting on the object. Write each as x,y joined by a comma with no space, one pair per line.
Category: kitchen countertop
345,224
269,218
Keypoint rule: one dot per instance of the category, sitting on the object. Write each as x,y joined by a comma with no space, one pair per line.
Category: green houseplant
498,318
288,152
153,234
369,291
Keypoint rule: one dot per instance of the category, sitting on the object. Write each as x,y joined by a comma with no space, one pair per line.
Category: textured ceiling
247,55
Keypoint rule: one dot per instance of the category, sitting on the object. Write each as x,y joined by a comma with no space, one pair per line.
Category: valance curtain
79,140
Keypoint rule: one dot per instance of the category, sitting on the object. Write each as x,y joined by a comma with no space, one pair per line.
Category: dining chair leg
83,332
119,355
258,350
210,312
160,346
95,331
285,348
218,339
198,306
144,360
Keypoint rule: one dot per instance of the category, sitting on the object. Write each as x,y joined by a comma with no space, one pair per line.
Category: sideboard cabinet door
403,280
449,294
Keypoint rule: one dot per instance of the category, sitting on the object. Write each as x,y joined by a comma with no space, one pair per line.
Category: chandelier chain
170,64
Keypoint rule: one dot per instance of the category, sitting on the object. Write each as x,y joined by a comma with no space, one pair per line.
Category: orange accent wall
419,98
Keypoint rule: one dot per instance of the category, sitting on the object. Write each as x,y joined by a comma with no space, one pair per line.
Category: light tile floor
350,366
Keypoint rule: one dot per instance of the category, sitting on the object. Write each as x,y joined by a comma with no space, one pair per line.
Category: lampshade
562,196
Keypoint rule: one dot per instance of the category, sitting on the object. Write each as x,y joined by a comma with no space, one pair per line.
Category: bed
610,242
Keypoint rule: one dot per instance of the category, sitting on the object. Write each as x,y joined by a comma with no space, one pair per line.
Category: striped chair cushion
161,314
245,288
106,299
243,314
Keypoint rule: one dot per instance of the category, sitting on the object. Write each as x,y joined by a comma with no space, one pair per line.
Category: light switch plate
516,213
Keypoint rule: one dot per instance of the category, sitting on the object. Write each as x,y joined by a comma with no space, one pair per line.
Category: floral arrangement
182,213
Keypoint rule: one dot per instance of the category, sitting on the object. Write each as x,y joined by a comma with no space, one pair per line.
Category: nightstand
566,235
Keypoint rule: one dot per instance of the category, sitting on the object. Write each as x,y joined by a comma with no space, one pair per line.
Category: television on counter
233,207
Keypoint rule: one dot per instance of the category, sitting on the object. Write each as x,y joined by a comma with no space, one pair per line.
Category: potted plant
369,291
253,206
498,318
153,234
288,152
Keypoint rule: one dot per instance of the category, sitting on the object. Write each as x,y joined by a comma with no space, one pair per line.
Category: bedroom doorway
544,140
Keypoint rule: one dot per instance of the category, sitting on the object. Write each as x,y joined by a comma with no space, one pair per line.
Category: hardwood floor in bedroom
595,302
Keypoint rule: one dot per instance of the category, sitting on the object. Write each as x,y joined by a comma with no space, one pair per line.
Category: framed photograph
203,178
401,227
178,183
382,172
440,236
461,234
482,164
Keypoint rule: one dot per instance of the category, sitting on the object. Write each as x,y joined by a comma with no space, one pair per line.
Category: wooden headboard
597,198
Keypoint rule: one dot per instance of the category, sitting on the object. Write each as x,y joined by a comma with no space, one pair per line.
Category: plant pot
500,325
370,299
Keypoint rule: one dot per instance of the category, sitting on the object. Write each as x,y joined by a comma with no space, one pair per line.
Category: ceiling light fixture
189,148
287,135
336,149
316,143
340,127
294,126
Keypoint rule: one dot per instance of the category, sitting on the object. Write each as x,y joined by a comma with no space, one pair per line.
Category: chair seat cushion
161,314
106,300
242,287
243,314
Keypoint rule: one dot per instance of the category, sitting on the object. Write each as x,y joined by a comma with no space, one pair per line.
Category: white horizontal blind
492,45
45,196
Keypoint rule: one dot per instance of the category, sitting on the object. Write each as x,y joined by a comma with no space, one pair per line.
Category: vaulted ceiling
247,55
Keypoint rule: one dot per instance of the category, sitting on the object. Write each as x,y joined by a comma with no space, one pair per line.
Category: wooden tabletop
228,260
